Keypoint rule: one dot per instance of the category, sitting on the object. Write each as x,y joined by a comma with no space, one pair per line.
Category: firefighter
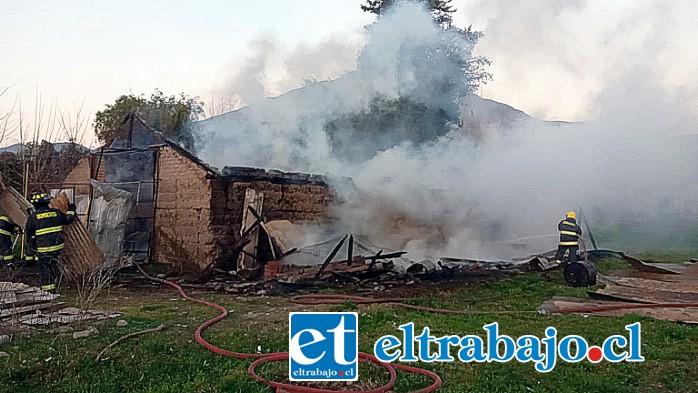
7,229
44,233
570,233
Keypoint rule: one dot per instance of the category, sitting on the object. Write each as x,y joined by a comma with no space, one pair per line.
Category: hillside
18,147
304,117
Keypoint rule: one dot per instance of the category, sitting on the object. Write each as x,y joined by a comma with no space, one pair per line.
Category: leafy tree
473,67
170,114
443,72
386,122
441,10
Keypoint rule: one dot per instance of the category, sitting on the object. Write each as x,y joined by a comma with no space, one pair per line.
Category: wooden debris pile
27,305
663,287
14,205
616,309
65,316
355,260
81,254
18,300
275,270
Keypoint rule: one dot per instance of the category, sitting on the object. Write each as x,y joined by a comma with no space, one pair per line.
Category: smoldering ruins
183,212
440,171
397,156
388,189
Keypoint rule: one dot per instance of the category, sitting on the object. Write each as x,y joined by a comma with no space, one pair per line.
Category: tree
384,124
441,10
441,69
221,103
7,125
38,161
170,114
460,50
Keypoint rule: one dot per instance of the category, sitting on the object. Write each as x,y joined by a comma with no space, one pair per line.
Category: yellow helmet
40,198
571,214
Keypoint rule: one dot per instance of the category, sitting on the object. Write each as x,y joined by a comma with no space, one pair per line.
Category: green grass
171,361
661,242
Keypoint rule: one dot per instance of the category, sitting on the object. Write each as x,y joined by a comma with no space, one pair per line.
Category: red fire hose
363,357
280,356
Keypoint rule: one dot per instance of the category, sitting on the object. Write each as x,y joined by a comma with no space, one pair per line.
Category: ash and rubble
25,307
668,290
455,175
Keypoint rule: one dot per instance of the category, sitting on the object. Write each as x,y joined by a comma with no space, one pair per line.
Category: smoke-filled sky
549,58
627,69
467,189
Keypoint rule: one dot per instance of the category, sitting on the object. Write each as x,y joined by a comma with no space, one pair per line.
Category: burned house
189,214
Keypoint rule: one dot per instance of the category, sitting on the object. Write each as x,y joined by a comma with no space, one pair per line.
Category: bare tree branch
219,104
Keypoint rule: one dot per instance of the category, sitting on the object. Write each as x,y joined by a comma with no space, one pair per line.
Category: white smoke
269,68
466,192
552,58
290,132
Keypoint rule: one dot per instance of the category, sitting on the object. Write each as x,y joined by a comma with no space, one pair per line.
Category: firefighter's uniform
44,231
570,232
7,229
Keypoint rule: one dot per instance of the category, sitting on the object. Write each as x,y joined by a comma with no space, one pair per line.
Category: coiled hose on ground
363,357
281,356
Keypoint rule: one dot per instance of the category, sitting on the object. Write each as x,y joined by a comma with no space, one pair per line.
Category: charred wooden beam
289,252
374,259
329,257
251,228
350,250
392,255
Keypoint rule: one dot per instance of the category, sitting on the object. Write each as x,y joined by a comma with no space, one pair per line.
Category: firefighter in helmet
8,228
44,233
570,232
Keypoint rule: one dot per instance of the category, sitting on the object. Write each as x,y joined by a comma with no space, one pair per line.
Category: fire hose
281,356
363,357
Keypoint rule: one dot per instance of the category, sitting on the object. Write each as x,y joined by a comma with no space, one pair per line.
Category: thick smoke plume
270,68
468,175
552,58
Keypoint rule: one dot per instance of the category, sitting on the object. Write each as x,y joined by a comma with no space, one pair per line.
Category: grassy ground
171,361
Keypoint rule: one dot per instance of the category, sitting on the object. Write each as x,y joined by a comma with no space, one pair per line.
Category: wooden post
350,250
374,259
25,191
329,257
248,263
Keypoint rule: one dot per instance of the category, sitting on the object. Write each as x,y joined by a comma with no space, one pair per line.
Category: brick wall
94,164
293,202
295,197
183,235
80,175
198,217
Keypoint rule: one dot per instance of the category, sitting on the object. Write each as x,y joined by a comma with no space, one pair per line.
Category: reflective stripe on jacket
7,229
45,229
569,232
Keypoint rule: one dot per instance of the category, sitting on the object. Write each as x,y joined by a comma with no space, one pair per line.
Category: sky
549,58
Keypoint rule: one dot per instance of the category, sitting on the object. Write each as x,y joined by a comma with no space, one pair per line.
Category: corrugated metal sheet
81,255
14,204
110,210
